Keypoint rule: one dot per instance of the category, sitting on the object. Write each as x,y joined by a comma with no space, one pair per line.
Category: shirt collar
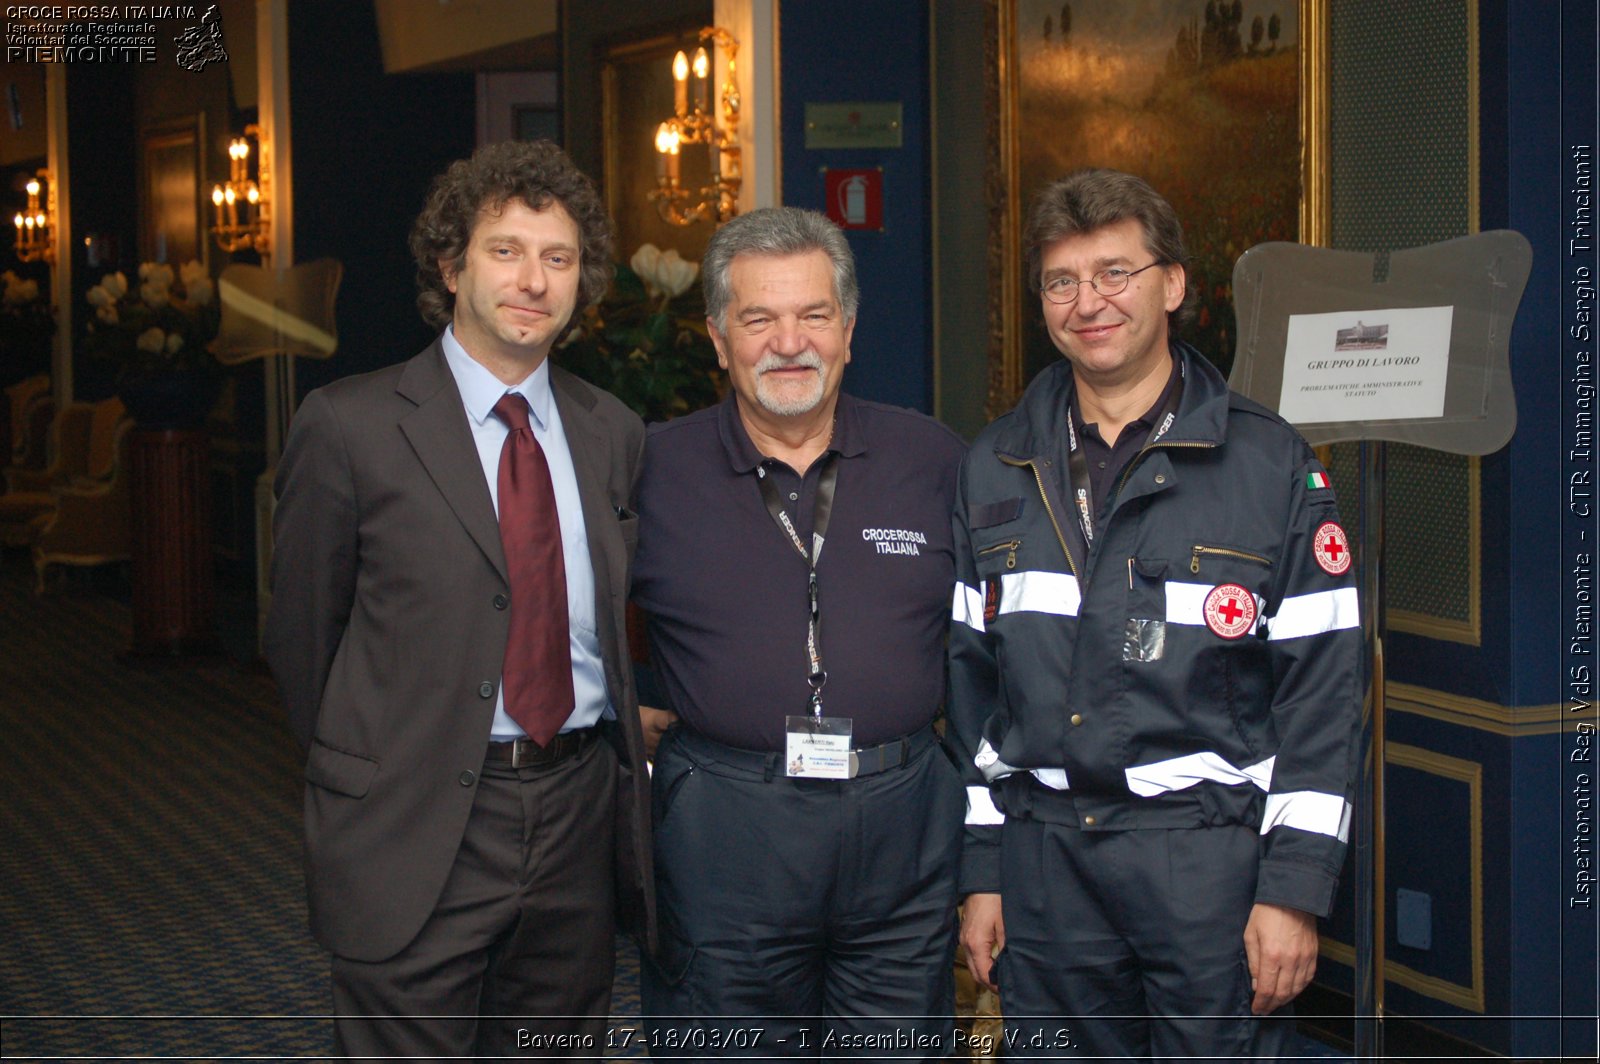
848,438
1145,420
480,389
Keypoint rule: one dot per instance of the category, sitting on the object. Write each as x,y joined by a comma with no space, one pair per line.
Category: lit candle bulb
702,81
680,83
216,201
663,146
18,220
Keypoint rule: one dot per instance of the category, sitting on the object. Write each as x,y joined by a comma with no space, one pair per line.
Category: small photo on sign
1361,337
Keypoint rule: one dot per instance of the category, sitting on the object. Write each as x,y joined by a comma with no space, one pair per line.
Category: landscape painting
1199,97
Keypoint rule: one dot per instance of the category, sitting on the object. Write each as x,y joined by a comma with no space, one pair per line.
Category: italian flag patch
1318,480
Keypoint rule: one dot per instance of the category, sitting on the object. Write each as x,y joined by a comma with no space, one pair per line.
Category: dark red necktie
536,679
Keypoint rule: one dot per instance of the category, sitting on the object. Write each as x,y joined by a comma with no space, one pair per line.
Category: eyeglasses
1108,282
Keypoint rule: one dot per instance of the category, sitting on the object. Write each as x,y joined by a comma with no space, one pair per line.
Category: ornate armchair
84,439
90,523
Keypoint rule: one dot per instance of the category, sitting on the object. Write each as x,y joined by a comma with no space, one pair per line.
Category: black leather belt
525,753
871,760
864,761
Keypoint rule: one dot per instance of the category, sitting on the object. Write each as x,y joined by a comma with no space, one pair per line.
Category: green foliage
651,351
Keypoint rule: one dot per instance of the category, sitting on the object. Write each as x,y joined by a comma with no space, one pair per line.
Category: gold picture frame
1138,127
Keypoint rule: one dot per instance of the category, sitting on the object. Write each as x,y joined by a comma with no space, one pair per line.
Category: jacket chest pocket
1213,592
1144,637
996,531
1001,582
1231,584
989,557
1211,558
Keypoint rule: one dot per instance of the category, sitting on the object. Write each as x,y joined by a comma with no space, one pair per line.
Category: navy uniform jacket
1201,664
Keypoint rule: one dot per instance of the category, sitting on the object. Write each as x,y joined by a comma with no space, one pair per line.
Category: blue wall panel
837,51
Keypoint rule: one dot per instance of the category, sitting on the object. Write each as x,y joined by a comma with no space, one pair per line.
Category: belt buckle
518,746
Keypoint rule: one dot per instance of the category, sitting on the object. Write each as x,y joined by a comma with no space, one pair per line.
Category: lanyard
1078,465
821,511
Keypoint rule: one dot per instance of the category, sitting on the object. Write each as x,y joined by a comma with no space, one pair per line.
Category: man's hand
1281,945
653,722
983,932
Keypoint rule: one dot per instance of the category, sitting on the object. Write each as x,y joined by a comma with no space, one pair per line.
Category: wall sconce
33,228
242,206
694,122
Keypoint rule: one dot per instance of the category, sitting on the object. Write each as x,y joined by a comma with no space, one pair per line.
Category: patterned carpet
153,900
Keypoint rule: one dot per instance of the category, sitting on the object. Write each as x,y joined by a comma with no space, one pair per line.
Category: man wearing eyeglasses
1155,670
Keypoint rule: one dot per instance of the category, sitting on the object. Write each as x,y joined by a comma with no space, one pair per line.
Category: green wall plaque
853,125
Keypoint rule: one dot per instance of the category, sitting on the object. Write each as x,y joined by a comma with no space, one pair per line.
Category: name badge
817,748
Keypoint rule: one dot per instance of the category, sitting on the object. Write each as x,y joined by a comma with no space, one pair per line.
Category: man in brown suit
448,633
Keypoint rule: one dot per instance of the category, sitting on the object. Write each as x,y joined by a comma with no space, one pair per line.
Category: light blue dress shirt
480,390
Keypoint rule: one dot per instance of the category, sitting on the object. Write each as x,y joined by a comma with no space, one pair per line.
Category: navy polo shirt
1107,461
725,590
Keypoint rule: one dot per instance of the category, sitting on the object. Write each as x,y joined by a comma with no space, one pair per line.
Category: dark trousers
519,954
803,918
1130,943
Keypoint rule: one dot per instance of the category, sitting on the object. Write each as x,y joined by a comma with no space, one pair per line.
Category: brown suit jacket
387,646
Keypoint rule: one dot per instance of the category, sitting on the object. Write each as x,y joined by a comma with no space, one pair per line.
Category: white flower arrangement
173,314
664,273
18,292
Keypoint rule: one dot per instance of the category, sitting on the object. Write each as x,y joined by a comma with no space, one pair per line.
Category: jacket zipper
1199,549
1039,480
1010,549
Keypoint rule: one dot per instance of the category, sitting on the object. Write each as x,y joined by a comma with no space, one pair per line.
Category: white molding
755,24
55,96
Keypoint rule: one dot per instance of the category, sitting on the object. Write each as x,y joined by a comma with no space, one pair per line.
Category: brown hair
534,172
1086,200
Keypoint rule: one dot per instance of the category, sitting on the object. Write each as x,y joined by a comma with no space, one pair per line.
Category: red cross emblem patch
1230,611
1331,547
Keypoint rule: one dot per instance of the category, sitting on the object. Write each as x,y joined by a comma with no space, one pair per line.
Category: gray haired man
795,560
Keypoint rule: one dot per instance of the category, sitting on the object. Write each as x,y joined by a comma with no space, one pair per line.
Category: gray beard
803,404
